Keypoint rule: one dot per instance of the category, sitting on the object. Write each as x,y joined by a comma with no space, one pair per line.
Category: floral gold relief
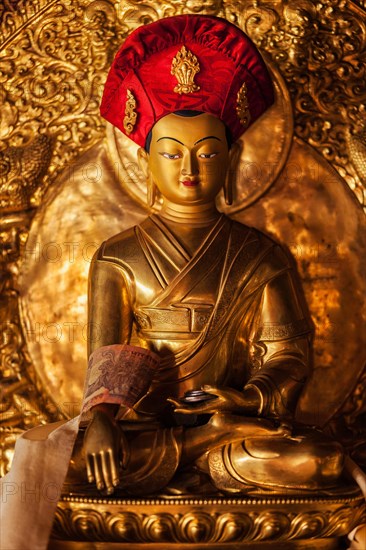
211,521
242,107
130,118
185,66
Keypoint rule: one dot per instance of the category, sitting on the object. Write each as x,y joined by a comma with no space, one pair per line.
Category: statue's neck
189,224
199,215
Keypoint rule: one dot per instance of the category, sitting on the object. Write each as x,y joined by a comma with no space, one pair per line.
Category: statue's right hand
102,445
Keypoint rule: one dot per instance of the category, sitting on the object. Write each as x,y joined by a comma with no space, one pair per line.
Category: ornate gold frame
53,61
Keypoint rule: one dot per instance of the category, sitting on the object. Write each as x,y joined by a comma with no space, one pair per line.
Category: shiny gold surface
71,44
306,522
309,209
60,331
319,49
320,544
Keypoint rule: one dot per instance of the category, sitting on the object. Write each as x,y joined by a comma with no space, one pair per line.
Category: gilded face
188,158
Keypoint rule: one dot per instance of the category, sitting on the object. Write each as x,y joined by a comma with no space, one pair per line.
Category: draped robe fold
228,316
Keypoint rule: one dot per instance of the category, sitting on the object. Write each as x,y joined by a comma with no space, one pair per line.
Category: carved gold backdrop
65,187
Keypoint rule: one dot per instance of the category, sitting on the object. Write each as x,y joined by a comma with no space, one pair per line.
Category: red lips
190,183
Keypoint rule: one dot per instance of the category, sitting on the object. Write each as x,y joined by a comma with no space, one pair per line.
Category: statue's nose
190,165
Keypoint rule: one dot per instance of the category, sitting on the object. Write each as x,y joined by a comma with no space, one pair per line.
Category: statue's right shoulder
121,248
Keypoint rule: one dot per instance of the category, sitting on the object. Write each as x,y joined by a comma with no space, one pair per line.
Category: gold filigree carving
130,118
185,66
132,13
320,50
47,85
242,107
206,521
21,172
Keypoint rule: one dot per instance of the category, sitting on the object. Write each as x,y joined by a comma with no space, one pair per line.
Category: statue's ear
143,161
234,157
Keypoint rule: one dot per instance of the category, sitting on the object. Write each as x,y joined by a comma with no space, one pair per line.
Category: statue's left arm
279,347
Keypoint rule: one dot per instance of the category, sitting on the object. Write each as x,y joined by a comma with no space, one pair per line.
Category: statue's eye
207,155
171,157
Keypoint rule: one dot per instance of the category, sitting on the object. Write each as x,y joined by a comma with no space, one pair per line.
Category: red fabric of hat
193,62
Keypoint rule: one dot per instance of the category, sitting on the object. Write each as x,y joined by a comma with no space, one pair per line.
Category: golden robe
229,316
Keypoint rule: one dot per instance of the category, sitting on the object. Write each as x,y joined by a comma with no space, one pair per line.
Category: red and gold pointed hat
193,62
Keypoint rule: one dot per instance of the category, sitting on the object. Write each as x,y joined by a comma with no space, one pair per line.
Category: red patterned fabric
227,59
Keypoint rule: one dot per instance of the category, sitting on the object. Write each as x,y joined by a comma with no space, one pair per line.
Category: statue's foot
309,460
190,482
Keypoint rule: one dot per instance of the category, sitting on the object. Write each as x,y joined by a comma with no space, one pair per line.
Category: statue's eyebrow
198,141
208,137
173,139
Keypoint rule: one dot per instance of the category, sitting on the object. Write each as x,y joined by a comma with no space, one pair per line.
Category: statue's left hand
227,400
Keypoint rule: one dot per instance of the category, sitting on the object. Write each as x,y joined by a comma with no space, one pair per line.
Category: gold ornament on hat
185,66
242,106
129,120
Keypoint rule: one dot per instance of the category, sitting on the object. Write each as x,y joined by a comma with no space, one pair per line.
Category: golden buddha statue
216,301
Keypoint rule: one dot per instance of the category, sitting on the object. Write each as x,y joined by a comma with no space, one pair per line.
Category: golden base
320,544
278,521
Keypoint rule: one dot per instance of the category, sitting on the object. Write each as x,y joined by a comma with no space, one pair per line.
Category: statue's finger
106,470
89,469
98,473
185,410
174,402
114,468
